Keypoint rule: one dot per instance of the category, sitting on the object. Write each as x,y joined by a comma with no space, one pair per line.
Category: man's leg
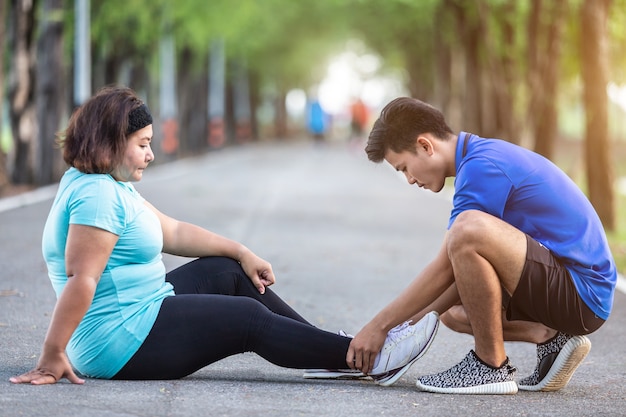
514,331
544,293
487,254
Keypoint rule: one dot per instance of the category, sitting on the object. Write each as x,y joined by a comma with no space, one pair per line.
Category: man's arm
433,282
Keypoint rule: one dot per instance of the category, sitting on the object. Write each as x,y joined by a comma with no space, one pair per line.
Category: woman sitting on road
119,315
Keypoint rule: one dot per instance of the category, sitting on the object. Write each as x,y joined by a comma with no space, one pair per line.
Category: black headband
138,119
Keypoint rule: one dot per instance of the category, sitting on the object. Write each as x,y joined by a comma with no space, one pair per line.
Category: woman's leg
193,331
221,275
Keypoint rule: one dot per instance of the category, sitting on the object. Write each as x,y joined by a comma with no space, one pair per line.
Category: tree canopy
496,67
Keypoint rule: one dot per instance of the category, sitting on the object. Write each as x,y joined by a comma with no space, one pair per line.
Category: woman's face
137,156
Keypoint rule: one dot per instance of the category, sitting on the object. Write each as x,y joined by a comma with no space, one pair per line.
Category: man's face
423,167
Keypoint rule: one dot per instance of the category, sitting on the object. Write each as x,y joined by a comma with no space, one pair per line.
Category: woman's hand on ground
49,371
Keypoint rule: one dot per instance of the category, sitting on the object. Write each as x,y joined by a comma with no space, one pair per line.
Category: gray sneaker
557,359
471,376
404,345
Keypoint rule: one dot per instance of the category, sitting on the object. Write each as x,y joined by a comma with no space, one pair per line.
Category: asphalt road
344,236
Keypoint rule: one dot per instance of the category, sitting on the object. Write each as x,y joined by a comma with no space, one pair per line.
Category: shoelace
398,332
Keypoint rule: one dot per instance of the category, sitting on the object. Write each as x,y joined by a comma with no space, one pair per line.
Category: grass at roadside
617,238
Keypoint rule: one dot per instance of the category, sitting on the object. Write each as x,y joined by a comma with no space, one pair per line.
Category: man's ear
424,143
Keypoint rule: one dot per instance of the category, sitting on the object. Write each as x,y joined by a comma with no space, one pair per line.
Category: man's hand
365,347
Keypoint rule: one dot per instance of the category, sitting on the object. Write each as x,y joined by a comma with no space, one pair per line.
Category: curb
31,197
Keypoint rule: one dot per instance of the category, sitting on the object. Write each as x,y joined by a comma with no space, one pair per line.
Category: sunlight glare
617,94
351,75
296,102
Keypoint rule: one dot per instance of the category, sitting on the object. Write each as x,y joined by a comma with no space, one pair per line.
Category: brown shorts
546,294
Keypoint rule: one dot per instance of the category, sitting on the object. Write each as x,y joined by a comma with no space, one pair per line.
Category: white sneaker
333,374
404,345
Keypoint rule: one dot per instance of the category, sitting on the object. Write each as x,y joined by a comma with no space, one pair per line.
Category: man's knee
468,227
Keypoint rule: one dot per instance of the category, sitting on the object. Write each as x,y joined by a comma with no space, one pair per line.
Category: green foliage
290,41
127,28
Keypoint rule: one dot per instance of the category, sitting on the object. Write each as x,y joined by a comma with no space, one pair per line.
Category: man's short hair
400,123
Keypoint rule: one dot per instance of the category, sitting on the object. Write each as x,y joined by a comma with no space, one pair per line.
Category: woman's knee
208,275
218,264
221,266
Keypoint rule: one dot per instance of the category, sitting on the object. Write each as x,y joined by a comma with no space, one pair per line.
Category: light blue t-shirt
132,286
532,194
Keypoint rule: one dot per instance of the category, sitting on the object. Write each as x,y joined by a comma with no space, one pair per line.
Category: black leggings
217,312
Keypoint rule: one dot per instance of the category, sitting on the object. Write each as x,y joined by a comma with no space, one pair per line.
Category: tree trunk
242,110
4,174
168,99
499,73
533,73
545,25
255,100
49,98
217,94
421,80
192,103
594,58
545,109
473,85
281,129
442,85
470,29
449,67
21,91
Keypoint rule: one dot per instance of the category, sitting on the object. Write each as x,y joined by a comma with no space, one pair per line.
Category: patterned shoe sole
508,387
568,360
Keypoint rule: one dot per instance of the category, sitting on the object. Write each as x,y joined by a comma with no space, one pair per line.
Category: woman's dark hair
400,123
95,139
